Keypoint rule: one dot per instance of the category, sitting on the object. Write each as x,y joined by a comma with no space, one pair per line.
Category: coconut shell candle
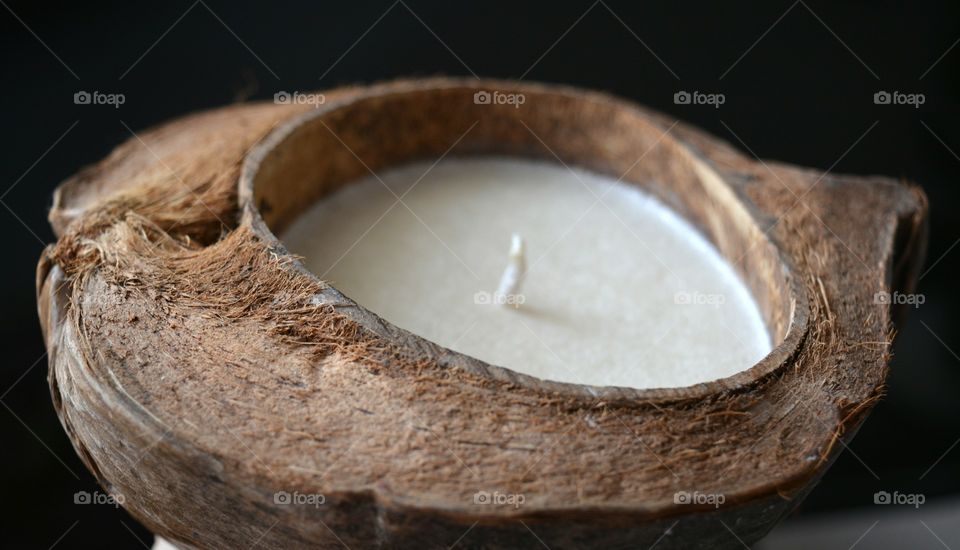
235,392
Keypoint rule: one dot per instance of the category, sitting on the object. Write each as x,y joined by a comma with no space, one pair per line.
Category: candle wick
508,293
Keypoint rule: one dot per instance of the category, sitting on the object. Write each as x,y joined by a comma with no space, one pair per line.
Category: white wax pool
619,290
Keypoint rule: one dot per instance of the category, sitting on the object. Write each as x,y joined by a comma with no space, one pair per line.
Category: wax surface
619,290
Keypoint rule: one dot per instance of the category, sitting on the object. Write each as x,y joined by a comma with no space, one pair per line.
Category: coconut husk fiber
200,370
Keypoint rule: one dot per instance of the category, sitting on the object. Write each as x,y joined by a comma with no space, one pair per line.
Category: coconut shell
204,374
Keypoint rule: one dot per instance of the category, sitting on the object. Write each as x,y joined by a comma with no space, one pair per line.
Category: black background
798,78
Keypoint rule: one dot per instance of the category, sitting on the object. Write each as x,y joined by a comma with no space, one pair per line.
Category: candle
562,274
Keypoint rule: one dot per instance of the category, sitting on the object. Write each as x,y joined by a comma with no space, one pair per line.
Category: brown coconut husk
199,369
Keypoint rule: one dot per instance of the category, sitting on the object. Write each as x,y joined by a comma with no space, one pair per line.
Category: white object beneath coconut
617,288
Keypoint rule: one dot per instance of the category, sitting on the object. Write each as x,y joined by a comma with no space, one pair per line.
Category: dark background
801,92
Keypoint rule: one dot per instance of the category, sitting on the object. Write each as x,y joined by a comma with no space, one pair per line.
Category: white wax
618,291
